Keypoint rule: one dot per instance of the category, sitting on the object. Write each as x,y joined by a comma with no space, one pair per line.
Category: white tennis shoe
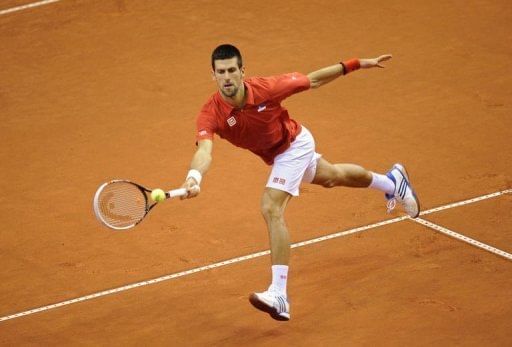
404,193
273,302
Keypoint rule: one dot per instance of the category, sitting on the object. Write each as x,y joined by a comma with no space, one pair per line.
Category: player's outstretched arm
328,74
198,167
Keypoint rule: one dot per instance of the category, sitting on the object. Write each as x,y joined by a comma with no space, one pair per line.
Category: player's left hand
374,62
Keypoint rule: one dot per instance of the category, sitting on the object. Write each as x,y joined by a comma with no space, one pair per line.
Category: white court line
27,6
465,202
192,271
463,238
240,259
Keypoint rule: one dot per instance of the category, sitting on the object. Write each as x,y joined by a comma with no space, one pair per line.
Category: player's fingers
195,190
187,186
187,196
384,57
192,191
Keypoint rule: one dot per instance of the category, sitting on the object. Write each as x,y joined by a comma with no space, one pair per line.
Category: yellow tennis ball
158,195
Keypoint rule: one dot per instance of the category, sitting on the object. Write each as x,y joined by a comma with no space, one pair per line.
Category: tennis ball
158,195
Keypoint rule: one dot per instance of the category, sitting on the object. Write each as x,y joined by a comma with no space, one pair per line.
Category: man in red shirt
248,113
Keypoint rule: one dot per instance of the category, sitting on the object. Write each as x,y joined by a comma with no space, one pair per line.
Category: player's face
229,76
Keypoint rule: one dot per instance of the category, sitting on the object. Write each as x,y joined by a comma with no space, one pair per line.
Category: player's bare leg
395,184
274,300
334,175
273,204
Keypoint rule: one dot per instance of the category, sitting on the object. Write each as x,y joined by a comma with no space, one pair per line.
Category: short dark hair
226,51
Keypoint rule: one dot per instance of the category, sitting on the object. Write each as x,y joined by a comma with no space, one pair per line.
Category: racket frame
145,192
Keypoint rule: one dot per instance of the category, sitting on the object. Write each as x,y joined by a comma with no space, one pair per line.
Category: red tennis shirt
262,126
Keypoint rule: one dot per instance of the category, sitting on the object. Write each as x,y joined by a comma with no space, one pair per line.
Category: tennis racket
121,204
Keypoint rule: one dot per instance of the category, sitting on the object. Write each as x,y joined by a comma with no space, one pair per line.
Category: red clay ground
94,90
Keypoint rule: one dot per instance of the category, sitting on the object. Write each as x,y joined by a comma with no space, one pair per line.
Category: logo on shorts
262,107
279,180
231,121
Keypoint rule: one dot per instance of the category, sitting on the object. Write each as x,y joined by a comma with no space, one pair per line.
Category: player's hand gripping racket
121,204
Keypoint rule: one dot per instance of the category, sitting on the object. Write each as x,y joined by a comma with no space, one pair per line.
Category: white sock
382,183
280,277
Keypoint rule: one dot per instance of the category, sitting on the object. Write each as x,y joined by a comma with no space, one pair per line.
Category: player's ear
242,71
213,75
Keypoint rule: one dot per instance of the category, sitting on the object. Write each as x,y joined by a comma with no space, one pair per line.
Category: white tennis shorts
295,165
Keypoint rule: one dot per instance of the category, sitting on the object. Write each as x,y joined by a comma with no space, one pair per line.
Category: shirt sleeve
283,86
206,124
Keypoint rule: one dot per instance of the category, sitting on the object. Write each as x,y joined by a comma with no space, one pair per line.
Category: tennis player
248,113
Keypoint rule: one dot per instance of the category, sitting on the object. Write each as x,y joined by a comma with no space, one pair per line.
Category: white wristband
195,175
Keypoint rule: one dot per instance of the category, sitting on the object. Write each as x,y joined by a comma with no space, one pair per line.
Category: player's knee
270,210
335,178
329,183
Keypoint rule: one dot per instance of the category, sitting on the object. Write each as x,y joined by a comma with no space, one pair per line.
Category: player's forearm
330,73
198,167
323,76
201,161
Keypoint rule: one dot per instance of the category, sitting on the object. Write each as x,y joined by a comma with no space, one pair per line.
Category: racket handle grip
176,192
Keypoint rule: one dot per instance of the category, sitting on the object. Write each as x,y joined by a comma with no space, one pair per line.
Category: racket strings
122,204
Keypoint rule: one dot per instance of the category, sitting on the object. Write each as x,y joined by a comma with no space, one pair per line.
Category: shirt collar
250,94
249,101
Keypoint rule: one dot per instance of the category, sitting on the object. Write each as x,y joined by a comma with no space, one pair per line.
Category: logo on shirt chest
262,107
231,121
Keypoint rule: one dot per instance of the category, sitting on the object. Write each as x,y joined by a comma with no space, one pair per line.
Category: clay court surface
94,90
